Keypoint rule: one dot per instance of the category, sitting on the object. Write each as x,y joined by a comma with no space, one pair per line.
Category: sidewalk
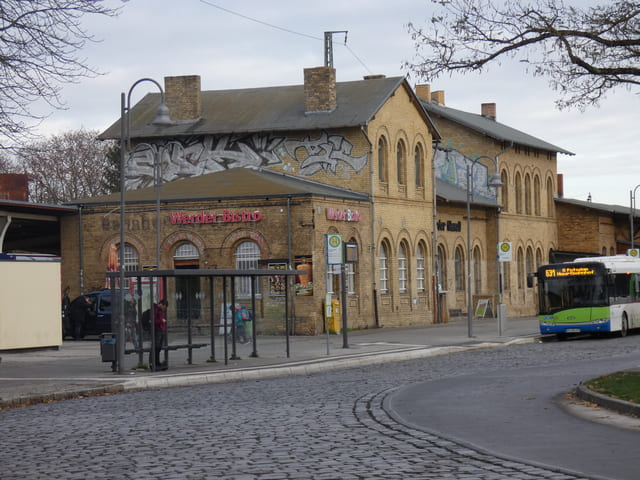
76,368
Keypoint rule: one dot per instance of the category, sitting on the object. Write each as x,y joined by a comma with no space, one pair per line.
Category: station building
257,178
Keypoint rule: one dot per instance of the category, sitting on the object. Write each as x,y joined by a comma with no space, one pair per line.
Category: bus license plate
573,330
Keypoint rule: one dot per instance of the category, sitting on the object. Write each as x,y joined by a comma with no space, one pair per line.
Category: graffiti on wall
328,154
451,166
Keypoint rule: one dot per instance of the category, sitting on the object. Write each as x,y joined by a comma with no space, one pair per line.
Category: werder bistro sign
347,215
226,216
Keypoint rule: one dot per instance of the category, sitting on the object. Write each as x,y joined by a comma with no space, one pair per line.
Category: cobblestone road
326,426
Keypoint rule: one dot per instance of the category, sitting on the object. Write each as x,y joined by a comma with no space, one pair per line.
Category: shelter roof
236,183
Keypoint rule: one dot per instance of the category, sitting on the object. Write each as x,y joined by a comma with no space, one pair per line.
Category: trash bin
108,347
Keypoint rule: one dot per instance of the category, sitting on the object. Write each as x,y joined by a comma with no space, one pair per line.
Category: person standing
160,330
131,319
240,317
78,311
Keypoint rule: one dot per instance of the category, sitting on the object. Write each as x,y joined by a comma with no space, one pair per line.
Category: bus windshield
562,293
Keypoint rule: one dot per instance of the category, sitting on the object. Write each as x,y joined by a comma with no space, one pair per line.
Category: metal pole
158,175
343,297
631,217
498,264
469,306
120,332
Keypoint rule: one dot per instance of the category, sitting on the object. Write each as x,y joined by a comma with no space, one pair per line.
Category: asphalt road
325,426
525,412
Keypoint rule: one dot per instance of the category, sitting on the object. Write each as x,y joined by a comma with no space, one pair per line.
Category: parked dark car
98,321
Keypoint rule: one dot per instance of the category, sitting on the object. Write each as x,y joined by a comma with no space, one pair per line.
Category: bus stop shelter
152,284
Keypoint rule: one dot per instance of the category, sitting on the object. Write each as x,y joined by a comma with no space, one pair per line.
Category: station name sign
226,216
449,226
568,272
347,215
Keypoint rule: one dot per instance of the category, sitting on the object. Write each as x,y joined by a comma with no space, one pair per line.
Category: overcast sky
158,38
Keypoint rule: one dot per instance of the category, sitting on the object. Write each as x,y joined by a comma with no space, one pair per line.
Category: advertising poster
277,282
304,281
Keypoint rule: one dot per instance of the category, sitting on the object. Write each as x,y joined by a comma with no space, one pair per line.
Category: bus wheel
625,326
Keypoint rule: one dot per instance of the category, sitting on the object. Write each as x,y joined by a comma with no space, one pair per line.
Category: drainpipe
81,245
373,228
434,236
290,260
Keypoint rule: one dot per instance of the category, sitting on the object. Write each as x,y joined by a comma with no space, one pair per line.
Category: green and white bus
594,294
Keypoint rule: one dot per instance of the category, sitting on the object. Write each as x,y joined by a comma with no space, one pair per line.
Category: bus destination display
556,272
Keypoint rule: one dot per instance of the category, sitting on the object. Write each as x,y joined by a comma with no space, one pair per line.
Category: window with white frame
459,268
351,270
383,266
186,251
131,261
402,268
420,283
247,255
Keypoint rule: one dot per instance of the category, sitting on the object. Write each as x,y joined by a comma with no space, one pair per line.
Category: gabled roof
489,127
234,183
270,109
602,207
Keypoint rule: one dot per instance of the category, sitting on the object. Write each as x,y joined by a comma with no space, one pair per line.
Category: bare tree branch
65,167
584,52
39,45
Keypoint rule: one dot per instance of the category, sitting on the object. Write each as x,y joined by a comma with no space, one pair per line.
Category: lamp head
162,116
495,181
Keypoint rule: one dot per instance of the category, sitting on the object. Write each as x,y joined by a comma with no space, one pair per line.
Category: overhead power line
283,29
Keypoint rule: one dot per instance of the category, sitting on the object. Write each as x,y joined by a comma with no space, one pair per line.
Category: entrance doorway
187,289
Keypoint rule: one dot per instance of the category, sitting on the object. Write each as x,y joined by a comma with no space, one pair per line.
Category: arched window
536,196
403,262
520,262
351,271
441,263
418,158
459,268
518,193
527,194
186,251
420,268
506,275
382,160
504,191
401,153
247,255
530,266
612,251
604,251
131,261
477,278
550,203
538,259
383,266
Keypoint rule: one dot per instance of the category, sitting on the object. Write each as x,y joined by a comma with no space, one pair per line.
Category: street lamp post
162,119
632,202
494,182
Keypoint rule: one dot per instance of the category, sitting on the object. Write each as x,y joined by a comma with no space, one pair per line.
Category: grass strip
620,385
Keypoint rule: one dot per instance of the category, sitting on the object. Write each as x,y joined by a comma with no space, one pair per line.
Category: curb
307,367
617,405
25,401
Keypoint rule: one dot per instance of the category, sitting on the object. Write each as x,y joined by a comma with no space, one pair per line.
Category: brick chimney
14,186
183,97
489,110
560,185
424,91
319,89
438,97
